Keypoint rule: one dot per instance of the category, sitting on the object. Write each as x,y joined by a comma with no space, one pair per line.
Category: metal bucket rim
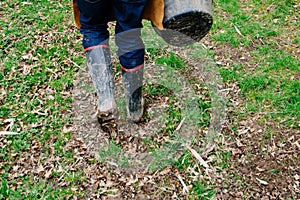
186,13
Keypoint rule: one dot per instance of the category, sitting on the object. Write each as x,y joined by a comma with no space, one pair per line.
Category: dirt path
247,163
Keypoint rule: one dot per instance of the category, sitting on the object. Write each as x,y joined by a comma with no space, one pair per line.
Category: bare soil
263,162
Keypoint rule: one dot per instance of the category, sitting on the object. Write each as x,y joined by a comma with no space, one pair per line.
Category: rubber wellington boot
133,82
100,67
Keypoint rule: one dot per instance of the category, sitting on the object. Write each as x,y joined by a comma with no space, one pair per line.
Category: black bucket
186,21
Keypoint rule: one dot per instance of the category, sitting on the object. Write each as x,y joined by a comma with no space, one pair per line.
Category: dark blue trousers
94,16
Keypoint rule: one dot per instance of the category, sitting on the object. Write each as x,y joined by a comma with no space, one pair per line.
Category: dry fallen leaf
48,174
131,181
40,169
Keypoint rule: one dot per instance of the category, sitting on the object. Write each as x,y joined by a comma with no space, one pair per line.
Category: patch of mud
85,108
129,136
142,153
111,178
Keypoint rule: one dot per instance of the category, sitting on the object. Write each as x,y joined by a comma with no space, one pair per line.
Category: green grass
37,72
113,153
272,87
202,191
266,34
171,60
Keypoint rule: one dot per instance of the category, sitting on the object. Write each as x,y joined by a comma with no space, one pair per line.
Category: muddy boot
100,67
133,82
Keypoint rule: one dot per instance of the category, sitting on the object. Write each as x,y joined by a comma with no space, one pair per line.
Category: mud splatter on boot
100,68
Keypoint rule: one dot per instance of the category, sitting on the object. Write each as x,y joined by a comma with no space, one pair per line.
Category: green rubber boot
133,82
100,67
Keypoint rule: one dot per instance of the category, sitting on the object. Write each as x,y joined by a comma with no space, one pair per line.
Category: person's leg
93,18
94,15
131,53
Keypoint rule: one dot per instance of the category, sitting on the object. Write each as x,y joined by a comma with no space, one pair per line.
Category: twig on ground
262,181
198,157
238,31
8,133
67,170
185,189
180,125
76,65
